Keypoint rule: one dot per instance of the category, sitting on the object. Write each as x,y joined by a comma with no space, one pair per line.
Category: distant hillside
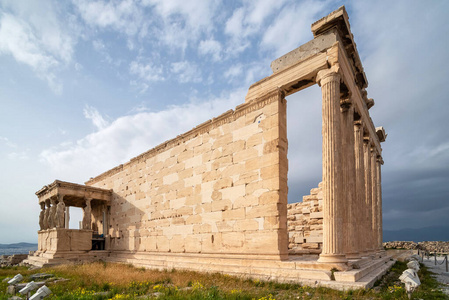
436,233
17,245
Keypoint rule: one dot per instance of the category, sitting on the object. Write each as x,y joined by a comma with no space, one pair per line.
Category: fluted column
351,241
379,163
362,212
332,251
375,207
368,195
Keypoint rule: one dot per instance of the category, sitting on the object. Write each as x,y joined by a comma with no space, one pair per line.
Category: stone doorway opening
304,212
304,142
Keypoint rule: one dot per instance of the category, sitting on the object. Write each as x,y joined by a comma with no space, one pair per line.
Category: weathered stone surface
215,198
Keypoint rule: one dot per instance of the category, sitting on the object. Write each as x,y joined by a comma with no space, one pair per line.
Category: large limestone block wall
305,223
219,188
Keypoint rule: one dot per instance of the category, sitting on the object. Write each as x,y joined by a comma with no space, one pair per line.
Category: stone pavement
440,270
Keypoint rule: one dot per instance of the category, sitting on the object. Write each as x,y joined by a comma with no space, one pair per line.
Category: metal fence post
446,264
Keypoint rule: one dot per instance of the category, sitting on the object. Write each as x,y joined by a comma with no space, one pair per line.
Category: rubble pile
11,260
439,247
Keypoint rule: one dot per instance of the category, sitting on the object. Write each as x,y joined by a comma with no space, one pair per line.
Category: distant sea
19,248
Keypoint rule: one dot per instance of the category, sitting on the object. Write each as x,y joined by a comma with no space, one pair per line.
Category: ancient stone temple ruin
215,198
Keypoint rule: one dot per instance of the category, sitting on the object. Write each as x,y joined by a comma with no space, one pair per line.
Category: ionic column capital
380,160
345,103
328,75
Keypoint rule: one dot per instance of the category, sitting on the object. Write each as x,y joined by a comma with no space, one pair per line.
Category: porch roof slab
74,194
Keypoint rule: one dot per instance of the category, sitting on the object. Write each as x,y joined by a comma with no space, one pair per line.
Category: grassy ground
118,281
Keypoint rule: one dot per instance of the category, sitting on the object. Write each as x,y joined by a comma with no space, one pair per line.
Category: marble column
351,247
374,203
362,212
379,163
368,195
332,251
67,217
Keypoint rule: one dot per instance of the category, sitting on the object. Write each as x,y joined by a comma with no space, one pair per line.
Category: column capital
61,197
345,104
380,160
358,123
327,75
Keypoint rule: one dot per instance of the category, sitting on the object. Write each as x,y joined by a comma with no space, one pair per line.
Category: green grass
119,281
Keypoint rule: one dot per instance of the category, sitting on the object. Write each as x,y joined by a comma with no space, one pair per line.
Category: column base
354,255
332,258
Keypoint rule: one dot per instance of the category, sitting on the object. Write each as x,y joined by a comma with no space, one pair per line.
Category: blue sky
87,85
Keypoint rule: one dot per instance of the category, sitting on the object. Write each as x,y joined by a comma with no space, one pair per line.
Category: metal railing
424,253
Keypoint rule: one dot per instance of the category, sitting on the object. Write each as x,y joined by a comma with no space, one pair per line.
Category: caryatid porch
55,200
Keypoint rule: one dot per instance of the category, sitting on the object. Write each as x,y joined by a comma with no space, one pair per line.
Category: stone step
312,277
355,275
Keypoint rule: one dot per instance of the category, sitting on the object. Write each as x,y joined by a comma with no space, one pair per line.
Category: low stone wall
60,239
439,247
305,223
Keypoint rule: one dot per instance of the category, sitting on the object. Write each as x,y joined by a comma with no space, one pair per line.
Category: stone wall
219,188
60,239
305,223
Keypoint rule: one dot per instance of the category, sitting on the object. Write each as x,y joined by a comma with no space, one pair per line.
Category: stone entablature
74,194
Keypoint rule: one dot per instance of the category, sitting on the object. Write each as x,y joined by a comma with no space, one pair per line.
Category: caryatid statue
52,216
87,211
47,215
60,211
42,216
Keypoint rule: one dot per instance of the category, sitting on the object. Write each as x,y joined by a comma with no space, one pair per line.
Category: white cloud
181,21
146,71
97,119
22,155
7,142
234,71
33,34
128,136
211,47
248,21
280,37
197,15
123,16
18,40
186,71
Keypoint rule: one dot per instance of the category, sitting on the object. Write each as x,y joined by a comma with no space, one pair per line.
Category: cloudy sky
87,85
